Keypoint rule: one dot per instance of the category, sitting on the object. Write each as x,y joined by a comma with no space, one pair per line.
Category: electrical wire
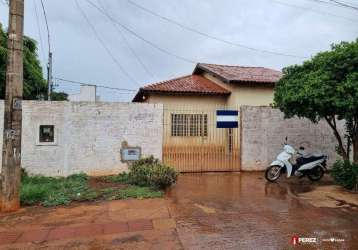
48,30
39,30
313,10
104,45
122,35
336,4
142,38
345,5
5,2
183,26
97,85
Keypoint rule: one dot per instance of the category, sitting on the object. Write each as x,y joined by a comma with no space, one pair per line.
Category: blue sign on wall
227,119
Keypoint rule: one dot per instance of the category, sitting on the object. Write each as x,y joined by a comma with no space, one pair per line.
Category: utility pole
49,64
49,76
11,154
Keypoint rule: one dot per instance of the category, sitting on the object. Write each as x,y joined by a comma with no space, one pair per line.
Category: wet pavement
243,211
202,211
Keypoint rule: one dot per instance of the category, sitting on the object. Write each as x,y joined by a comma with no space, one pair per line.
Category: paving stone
88,230
114,228
140,225
61,233
162,224
9,237
34,236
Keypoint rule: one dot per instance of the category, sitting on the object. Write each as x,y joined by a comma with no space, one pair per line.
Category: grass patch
49,191
120,178
131,192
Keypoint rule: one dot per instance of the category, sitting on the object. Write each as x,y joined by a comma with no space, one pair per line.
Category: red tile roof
237,74
191,84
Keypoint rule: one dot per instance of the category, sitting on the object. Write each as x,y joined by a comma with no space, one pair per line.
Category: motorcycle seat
310,158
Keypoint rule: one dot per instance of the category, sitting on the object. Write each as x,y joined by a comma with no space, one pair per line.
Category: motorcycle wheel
316,174
273,173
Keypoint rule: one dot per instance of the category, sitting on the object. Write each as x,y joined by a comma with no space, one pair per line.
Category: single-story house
214,85
192,141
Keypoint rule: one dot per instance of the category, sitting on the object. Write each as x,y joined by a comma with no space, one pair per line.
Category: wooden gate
192,143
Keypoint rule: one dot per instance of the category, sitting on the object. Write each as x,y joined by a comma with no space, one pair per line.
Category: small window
189,125
47,133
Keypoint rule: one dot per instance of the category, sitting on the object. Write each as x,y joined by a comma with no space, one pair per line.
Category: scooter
312,166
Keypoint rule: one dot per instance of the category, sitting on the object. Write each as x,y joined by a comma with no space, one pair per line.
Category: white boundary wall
88,136
263,131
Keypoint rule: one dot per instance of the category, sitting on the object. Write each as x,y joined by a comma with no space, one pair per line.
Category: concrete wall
88,136
263,131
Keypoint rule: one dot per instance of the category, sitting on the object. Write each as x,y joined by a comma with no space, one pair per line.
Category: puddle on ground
243,211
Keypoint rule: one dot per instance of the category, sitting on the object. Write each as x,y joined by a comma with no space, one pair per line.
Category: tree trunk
355,151
332,124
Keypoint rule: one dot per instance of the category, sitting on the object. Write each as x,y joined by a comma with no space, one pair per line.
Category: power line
345,5
104,45
39,30
142,38
48,30
336,3
127,43
210,36
97,85
313,10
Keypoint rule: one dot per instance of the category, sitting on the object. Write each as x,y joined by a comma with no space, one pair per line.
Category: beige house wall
187,100
186,104
245,95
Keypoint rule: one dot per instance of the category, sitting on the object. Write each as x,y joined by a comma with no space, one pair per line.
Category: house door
193,143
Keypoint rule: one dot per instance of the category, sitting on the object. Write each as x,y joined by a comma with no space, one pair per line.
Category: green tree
35,86
325,88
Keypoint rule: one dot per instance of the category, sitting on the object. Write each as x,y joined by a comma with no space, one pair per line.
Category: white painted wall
87,94
88,135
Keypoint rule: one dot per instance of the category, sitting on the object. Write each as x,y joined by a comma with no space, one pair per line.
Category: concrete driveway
243,211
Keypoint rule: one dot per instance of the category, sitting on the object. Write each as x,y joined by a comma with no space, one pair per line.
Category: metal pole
11,154
49,76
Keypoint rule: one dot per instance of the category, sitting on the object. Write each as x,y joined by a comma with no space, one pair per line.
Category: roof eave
199,69
139,96
260,83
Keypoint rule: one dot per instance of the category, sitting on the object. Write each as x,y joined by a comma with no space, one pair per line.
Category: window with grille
47,133
189,125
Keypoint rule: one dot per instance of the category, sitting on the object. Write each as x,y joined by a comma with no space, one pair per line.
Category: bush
150,172
345,174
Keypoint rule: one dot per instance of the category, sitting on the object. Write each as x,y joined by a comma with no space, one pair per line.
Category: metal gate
192,143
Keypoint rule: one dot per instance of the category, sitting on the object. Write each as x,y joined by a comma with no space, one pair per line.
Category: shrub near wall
151,172
345,174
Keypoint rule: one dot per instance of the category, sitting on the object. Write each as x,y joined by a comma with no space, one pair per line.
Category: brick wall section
88,135
263,131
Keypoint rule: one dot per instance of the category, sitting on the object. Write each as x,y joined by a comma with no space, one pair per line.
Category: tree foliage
35,86
325,87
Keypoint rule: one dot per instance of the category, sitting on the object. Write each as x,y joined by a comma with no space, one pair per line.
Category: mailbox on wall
130,154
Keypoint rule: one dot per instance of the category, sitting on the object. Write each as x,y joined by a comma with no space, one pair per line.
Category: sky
113,56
